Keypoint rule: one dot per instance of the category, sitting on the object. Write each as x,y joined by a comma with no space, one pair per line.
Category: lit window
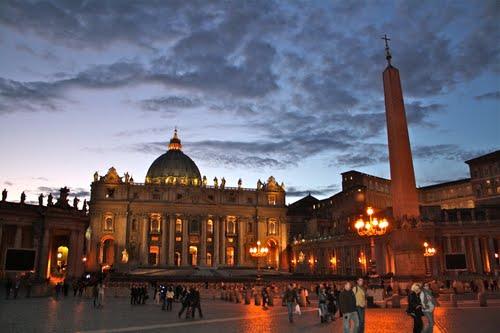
209,240
108,224
272,200
209,259
231,227
155,225
177,259
178,239
230,256
210,226
154,252
193,255
178,225
271,227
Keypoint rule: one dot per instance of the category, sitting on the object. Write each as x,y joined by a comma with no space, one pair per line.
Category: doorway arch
273,256
107,251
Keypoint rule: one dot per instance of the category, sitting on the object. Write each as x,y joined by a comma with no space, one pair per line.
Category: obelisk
403,187
407,258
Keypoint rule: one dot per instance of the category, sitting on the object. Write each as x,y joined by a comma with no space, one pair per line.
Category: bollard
395,301
257,299
247,297
453,300
481,297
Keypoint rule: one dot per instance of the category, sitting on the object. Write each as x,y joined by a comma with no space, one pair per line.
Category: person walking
265,298
196,303
8,287
415,308
322,308
428,305
291,300
360,293
347,305
186,303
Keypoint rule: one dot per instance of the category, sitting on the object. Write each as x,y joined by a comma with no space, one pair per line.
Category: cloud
320,191
7,183
493,95
418,114
168,103
77,191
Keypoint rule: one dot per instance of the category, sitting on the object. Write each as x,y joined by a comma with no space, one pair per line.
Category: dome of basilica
174,167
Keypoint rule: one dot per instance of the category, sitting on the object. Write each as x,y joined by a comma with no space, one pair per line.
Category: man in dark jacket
290,298
196,302
347,304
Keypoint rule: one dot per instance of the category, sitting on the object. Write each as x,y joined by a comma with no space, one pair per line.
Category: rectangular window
178,239
178,225
272,200
230,256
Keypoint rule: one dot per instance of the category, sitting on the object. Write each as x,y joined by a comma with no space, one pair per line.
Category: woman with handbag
415,308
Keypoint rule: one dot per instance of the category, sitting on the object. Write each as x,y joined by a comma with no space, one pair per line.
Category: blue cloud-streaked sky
256,88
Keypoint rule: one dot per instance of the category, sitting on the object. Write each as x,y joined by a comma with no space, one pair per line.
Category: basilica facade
176,219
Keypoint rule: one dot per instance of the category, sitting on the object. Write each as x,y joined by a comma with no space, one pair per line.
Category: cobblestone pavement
77,315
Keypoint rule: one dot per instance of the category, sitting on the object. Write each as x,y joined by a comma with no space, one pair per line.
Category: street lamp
429,252
258,252
371,228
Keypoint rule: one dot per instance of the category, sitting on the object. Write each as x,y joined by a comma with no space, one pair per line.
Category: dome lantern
175,142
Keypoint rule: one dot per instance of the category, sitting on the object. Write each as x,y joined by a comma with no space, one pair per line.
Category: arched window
194,227
209,259
271,227
155,225
108,224
230,256
210,226
178,225
231,227
193,255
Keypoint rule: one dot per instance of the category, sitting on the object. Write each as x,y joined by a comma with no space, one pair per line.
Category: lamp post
258,252
371,228
429,252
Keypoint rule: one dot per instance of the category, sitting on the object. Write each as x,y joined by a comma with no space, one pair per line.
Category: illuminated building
176,219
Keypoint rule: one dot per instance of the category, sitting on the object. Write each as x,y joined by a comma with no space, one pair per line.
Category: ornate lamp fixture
373,227
258,252
428,250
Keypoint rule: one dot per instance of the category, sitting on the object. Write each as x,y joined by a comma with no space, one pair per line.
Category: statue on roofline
40,199
4,194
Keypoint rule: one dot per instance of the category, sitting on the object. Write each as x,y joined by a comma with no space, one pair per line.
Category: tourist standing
95,295
265,298
415,308
170,298
100,297
291,300
17,285
306,295
360,293
347,304
186,303
428,305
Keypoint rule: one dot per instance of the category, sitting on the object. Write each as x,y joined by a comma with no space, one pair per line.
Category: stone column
164,241
477,256
72,253
79,267
185,240
491,254
241,242
43,259
18,240
171,240
223,241
216,241
448,244
471,265
484,254
203,243
144,255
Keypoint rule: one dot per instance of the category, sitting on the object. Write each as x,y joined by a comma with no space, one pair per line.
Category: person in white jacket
428,306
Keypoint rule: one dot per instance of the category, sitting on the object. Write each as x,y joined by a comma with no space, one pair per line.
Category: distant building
485,178
46,240
450,195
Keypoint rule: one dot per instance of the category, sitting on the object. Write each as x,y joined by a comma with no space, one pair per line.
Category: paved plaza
77,315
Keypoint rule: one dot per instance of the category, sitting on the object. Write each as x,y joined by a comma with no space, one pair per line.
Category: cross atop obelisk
388,55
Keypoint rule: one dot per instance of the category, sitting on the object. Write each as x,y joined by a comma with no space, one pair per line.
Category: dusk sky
291,89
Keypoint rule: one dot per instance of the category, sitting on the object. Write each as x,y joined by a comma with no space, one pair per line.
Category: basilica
176,219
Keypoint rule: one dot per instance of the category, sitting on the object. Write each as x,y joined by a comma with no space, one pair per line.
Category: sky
291,89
